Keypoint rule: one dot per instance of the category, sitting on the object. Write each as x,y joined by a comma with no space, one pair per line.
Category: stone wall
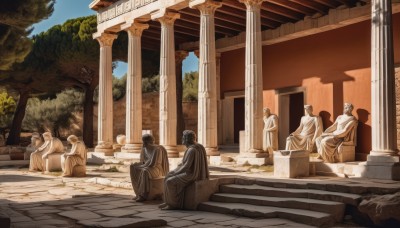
398,105
150,107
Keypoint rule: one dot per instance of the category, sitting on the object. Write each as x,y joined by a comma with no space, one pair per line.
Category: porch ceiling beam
282,11
349,3
293,6
329,3
322,9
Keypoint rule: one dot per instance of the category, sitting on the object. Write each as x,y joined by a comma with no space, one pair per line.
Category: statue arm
349,126
188,162
298,130
274,124
50,150
41,148
332,128
318,128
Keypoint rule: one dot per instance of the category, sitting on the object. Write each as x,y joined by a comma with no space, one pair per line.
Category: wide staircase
267,200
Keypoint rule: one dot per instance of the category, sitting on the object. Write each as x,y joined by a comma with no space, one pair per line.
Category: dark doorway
238,117
296,110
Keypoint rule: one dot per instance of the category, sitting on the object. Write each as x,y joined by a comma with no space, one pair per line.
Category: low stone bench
79,171
198,192
291,163
53,162
156,188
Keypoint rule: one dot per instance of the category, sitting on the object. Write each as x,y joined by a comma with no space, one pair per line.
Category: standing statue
50,145
270,131
341,131
193,168
153,164
77,156
36,142
305,135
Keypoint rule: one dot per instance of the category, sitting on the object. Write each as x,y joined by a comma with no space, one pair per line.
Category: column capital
180,56
135,29
165,17
106,39
252,3
205,6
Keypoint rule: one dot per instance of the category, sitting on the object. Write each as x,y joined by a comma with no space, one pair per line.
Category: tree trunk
180,126
88,117
15,132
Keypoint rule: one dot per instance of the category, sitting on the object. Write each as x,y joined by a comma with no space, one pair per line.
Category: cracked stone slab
80,214
123,222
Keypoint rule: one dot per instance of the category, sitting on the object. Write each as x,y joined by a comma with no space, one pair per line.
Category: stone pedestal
156,188
381,167
253,159
291,163
53,162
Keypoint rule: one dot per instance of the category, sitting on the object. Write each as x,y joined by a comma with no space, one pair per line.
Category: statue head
308,109
189,137
147,139
72,139
348,108
266,112
47,136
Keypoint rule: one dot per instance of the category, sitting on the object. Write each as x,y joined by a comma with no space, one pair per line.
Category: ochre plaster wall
333,67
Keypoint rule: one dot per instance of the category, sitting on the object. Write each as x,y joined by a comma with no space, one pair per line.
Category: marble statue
51,145
193,168
36,142
270,131
153,164
303,138
76,157
342,130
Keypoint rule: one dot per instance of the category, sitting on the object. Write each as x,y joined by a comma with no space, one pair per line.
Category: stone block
383,159
198,192
125,155
79,171
379,170
215,160
53,162
156,188
291,163
253,161
5,157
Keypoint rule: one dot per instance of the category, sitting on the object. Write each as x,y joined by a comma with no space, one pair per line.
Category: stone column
219,102
179,57
168,120
105,105
134,89
254,78
207,95
383,106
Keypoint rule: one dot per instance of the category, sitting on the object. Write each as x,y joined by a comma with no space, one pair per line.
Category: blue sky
67,9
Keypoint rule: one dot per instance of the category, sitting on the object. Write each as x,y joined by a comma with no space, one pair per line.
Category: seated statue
341,131
270,131
305,135
193,168
153,164
38,158
76,157
36,142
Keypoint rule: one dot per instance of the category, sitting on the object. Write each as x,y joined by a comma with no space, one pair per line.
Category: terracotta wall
333,67
150,107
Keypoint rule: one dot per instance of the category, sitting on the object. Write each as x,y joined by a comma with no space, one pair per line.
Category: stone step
297,215
335,209
347,198
14,163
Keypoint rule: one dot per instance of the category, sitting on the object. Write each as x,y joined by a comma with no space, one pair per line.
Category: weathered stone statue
153,164
270,132
342,130
194,167
305,135
36,142
51,145
76,157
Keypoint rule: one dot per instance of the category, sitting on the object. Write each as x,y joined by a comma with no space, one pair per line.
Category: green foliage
53,114
190,86
119,87
7,108
151,84
16,19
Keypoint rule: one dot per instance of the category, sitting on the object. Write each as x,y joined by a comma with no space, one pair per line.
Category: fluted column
383,109
253,78
134,89
219,102
207,94
168,119
105,105
180,126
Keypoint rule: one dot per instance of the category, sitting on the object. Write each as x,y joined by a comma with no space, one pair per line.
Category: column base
172,151
212,151
132,148
383,153
381,167
106,151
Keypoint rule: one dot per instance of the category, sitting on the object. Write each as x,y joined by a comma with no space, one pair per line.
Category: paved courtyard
38,200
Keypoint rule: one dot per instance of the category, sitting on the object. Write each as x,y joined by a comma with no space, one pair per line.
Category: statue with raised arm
50,145
303,138
153,164
193,168
270,131
333,136
77,156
